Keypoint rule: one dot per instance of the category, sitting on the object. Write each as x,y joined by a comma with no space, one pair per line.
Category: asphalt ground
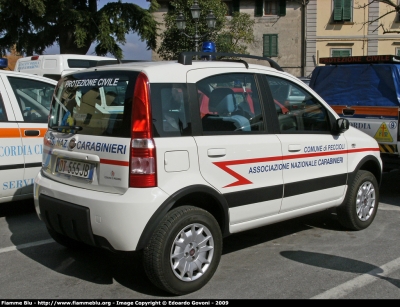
305,258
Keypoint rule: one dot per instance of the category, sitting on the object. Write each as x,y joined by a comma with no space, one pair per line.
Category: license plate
75,168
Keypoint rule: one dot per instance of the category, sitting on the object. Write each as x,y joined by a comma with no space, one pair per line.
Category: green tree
229,35
237,34
34,25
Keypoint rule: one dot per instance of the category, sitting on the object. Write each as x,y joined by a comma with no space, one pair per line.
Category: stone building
278,30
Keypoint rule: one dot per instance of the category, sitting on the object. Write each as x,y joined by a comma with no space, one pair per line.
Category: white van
57,65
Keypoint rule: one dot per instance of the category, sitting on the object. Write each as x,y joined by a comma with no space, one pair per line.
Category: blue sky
134,49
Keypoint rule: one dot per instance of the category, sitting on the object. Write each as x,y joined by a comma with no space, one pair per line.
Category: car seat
222,104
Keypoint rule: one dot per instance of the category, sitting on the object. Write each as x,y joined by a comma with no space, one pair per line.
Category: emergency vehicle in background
56,65
24,109
169,157
366,91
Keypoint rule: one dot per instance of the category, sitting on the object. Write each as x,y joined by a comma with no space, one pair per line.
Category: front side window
342,10
230,104
33,97
270,45
340,52
297,110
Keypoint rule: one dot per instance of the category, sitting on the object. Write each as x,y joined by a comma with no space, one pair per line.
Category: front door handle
294,148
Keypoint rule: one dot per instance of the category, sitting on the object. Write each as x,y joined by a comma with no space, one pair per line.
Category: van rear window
76,63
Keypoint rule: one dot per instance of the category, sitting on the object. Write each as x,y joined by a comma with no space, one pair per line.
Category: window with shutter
270,45
342,10
347,10
258,8
340,52
398,51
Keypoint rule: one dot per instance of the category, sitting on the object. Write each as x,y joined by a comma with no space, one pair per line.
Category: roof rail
185,58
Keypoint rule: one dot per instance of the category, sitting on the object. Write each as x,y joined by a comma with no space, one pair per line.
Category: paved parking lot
309,257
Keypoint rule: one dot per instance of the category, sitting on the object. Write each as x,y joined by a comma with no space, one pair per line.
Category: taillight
143,152
35,57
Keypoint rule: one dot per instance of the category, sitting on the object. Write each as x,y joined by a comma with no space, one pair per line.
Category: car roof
160,71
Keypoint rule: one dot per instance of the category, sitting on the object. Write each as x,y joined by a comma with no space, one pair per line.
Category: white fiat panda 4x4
170,157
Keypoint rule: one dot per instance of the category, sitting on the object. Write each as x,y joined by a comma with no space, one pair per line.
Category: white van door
11,150
30,98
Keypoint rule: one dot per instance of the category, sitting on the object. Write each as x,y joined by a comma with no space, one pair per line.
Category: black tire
66,241
361,203
157,256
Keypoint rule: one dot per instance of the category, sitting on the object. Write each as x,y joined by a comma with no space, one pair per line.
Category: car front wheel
361,204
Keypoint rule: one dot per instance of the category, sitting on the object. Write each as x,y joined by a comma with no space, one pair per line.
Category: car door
317,159
237,155
30,98
11,155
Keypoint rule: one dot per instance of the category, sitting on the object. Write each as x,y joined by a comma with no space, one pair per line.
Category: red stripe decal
224,165
114,162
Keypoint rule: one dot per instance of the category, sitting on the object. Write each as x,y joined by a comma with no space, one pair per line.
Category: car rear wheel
184,252
361,204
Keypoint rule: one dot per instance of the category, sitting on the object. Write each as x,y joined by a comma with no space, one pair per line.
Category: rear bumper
114,221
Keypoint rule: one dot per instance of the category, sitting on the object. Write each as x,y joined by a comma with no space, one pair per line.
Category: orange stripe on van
10,133
16,133
359,111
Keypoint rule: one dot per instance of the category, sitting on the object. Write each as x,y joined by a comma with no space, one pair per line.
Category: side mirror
342,125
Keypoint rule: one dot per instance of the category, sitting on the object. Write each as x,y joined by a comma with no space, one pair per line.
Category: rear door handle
216,152
32,132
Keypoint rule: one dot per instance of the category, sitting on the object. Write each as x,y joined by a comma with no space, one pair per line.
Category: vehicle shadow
338,263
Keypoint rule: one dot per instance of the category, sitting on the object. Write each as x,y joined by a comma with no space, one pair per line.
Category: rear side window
100,103
170,110
34,98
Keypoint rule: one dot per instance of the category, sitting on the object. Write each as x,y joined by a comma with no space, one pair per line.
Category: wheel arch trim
171,202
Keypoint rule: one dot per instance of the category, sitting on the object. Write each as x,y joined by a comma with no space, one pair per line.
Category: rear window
100,103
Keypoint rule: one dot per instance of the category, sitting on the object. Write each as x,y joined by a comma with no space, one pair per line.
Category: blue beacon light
208,46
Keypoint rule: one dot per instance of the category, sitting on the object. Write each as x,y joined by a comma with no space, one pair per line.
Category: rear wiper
77,128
